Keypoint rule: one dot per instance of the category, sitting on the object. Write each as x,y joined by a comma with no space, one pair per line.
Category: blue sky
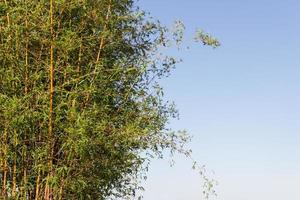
241,102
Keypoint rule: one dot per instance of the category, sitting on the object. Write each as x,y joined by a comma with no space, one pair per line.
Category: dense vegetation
81,112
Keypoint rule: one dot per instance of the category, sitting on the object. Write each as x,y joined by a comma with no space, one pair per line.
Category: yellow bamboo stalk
51,93
26,59
79,56
37,187
61,189
7,15
5,164
102,39
2,160
24,192
24,155
47,193
14,178
5,170
101,45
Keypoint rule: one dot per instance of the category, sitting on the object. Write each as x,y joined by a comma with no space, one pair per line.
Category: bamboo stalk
51,93
5,166
24,155
102,40
24,188
7,14
61,189
4,180
37,187
14,182
47,192
14,172
79,56
101,45
1,160
26,58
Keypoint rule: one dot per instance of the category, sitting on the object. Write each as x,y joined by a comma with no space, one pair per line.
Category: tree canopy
81,112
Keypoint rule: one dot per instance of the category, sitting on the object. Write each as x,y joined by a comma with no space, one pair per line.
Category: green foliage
81,112
206,39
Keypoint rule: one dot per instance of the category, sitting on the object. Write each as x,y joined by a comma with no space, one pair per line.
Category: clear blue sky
241,102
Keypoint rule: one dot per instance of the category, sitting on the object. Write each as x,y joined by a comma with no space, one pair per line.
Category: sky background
241,102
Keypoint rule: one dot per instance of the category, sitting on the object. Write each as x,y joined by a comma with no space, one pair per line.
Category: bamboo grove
81,113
